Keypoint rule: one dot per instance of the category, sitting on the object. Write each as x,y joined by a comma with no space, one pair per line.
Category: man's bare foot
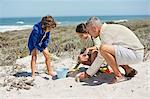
131,73
118,79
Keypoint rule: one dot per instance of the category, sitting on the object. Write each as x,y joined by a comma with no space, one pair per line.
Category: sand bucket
62,72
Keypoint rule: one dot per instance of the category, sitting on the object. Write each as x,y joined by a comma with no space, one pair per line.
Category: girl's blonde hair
48,22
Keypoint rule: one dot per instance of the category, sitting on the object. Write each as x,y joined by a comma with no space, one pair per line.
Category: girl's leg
84,59
108,52
33,62
48,62
89,60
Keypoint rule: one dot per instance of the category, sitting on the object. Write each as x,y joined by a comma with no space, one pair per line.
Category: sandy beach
15,70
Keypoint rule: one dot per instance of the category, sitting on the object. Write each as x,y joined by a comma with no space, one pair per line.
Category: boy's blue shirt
36,37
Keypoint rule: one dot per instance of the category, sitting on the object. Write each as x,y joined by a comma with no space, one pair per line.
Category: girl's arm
97,44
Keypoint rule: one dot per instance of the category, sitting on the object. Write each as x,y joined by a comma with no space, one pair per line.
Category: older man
120,47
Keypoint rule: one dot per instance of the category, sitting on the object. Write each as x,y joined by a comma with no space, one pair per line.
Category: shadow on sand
23,74
99,79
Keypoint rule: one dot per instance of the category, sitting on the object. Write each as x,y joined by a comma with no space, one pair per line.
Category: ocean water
9,24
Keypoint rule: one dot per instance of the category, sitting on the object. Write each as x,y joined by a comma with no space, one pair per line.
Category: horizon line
69,16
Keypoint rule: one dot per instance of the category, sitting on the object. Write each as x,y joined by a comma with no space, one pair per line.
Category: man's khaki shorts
125,56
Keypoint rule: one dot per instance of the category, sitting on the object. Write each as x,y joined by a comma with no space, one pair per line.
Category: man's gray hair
94,21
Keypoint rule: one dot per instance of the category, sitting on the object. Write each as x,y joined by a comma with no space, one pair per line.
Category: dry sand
94,88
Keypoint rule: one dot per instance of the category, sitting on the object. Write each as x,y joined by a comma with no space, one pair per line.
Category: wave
58,23
118,21
4,28
20,22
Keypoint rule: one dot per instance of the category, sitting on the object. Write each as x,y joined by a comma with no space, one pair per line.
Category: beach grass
13,44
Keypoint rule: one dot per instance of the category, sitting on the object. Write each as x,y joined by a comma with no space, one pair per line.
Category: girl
38,41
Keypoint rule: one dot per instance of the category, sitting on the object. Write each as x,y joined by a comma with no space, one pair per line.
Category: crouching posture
119,47
90,45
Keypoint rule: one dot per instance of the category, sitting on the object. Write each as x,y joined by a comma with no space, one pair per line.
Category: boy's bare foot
33,76
52,74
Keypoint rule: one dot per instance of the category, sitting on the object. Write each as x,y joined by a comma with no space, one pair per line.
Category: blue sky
27,8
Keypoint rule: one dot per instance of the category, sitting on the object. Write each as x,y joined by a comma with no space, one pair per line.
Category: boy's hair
81,28
48,22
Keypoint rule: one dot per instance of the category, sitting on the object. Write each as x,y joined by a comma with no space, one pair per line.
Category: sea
20,23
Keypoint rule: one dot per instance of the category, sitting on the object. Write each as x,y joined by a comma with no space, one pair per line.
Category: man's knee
104,48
